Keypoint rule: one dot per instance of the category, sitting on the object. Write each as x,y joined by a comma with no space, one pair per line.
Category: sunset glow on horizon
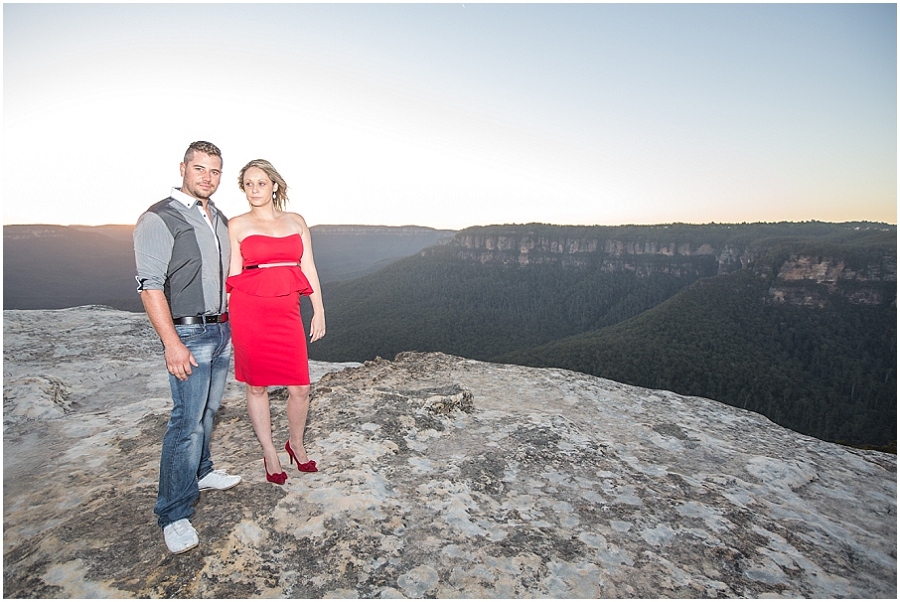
451,116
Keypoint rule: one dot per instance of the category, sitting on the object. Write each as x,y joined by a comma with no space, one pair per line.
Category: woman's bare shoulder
239,224
297,221
238,219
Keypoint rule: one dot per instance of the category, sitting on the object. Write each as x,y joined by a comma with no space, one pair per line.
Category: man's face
201,175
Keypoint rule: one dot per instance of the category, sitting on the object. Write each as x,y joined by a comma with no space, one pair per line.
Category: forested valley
741,314
828,372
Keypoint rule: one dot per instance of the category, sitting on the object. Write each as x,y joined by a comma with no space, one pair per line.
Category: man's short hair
202,147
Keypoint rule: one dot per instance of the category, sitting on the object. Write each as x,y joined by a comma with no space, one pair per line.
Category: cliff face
439,477
813,280
802,279
608,255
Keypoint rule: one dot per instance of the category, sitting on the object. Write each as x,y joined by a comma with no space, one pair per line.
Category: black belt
207,319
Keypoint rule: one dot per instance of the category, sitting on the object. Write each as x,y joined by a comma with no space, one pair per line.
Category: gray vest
193,247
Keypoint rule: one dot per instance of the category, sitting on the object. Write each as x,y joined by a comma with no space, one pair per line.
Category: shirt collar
186,199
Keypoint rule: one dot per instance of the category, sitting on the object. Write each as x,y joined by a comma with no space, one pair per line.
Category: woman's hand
316,328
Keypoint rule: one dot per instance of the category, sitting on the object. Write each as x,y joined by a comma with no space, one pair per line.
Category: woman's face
258,187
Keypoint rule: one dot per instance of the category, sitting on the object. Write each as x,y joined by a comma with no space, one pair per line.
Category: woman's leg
297,410
258,408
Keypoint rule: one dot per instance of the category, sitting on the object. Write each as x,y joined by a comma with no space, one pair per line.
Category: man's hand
179,360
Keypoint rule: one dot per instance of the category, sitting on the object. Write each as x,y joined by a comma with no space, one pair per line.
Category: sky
455,115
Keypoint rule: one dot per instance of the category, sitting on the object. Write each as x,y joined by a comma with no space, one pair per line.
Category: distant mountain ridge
715,248
54,267
836,255
344,252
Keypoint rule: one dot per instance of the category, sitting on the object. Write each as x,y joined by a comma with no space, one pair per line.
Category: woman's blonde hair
280,197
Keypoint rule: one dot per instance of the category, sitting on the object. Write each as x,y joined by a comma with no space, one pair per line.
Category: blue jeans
185,457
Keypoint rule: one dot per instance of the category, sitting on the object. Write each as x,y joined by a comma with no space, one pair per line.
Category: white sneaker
217,479
180,536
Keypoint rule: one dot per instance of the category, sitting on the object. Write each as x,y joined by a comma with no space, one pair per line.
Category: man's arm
152,252
178,357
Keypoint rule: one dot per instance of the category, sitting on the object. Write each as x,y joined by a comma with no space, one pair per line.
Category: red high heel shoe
306,467
278,479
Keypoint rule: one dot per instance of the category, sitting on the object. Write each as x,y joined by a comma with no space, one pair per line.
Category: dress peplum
266,328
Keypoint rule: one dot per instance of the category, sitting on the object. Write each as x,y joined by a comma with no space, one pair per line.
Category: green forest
830,373
681,323
437,303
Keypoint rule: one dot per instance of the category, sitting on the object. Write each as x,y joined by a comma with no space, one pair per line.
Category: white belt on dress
273,265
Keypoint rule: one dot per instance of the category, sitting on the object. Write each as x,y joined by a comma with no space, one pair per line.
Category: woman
271,267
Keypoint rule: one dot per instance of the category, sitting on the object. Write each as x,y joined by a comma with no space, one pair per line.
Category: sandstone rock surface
439,477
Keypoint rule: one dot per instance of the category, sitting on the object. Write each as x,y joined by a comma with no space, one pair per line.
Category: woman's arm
236,265
237,260
308,265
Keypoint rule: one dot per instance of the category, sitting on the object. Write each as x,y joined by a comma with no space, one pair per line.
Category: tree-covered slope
828,372
437,302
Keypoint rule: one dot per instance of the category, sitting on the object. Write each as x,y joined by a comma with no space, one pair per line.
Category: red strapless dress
264,311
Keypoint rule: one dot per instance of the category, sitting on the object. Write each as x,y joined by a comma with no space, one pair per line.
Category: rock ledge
439,477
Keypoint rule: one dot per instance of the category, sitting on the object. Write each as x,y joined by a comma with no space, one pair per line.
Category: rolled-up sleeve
152,252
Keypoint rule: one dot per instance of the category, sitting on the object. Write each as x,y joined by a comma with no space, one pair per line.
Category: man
182,255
